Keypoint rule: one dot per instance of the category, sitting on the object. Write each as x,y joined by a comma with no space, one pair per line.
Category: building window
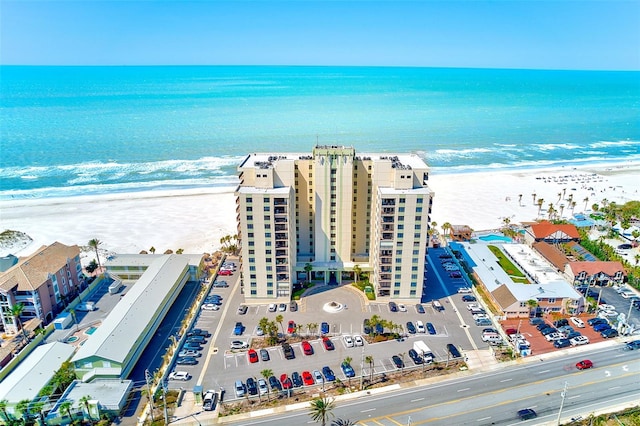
401,209
249,225
400,234
252,260
252,251
418,209
402,200
399,252
266,208
252,267
269,292
252,276
419,200
249,217
252,243
417,227
249,200
250,234
254,292
396,292
267,234
398,276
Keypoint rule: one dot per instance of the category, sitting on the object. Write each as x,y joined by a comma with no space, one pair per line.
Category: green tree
84,401
348,360
532,304
321,409
369,360
279,319
343,422
266,373
23,408
3,409
356,272
152,250
16,311
540,204
75,318
308,268
64,376
38,406
66,406
94,244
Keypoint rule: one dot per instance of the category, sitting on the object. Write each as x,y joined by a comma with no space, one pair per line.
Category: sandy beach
195,220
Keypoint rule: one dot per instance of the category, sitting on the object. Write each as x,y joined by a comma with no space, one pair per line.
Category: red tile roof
544,229
593,268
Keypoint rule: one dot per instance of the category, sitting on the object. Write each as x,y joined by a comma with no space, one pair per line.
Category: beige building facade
319,215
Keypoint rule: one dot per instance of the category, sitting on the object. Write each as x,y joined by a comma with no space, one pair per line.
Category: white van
492,338
86,307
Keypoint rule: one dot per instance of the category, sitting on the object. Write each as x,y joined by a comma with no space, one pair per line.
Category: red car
328,344
224,272
292,327
585,363
306,348
307,378
253,356
286,382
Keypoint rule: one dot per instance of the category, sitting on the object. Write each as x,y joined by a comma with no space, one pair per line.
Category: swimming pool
89,331
72,339
495,237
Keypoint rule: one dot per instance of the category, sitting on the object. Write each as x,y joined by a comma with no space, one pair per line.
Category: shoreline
195,219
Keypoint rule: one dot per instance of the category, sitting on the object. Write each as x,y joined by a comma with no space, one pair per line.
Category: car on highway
609,333
179,375
579,340
264,355
633,345
328,344
307,349
577,322
468,298
239,344
328,373
275,383
286,381
317,376
420,308
417,359
307,378
527,414
584,364
296,379
411,328
430,328
187,360
288,351
397,361
253,356
348,341
252,387
189,352
347,369
239,388
242,309
291,327
324,328
262,387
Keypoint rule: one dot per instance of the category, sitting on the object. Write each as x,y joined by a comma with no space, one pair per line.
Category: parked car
328,344
317,377
307,378
601,327
293,306
264,355
238,329
609,333
196,339
307,348
272,307
189,353
282,307
536,321
225,272
393,307
455,353
192,346
527,414
288,351
275,383
542,325
584,364
417,359
238,344
209,400
420,308
179,375
461,289
411,328
324,328
430,328
239,388
328,373
187,360
561,322
437,305
253,356
242,309
347,369
291,328
420,327
577,322
594,321
468,298
262,387
286,381
561,343
402,307
296,379
579,340
483,321
198,332
221,283
252,387
398,361
348,341
366,326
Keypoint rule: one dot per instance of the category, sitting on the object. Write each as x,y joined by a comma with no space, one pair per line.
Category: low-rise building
550,233
595,273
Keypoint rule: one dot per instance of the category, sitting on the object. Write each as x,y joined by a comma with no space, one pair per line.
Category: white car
577,322
402,308
420,327
272,307
473,306
348,341
188,352
627,294
604,307
210,307
238,344
259,331
554,336
317,376
607,313
480,316
262,387
579,340
358,340
179,375
464,290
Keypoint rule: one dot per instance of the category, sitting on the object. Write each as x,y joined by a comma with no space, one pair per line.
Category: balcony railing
280,210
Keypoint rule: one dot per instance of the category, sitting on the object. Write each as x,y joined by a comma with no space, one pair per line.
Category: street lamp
563,394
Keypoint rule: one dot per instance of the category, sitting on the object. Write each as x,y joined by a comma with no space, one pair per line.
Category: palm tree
534,195
586,200
532,304
561,210
519,199
369,360
152,250
573,207
348,360
23,408
308,268
279,319
266,373
343,422
540,203
373,322
85,401
314,326
356,272
16,311
446,227
37,406
3,409
559,197
94,244
321,409
66,406
73,315
551,210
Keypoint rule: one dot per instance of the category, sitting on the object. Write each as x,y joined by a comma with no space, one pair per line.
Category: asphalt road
494,397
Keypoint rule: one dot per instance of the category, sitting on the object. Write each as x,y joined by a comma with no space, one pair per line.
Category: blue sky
570,34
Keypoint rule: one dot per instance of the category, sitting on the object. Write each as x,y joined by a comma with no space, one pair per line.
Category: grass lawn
514,273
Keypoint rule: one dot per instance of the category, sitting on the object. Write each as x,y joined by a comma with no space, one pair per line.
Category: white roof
119,332
35,371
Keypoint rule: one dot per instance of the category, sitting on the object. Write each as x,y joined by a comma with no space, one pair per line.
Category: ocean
67,131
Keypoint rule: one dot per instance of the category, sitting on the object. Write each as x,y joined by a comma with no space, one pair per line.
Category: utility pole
148,378
362,368
164,399
563,394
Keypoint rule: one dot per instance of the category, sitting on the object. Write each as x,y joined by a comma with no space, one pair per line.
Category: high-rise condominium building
319,216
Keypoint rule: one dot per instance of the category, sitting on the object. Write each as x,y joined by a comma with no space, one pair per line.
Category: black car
275,383
398,361
561,343
430,328
411,328
633,345
468,298
595,321
561,322
252,387
527,414
196,339
192,346
420,308
288,351
455,353
366,327
187,360
548,330
609,333
542,325
296,379
198,332
536,321
417,359
393,307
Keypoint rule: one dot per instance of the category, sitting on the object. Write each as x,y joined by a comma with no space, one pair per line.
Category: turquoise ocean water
68,131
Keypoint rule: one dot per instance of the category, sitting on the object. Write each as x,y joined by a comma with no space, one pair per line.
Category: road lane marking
505,380
483,419
416,400
462,390
614,387
574,397
542,372
366,411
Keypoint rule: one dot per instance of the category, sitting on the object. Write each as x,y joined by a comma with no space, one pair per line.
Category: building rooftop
34,372
109,393
120,331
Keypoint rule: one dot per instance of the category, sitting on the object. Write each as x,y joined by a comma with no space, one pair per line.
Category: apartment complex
43,283
318,216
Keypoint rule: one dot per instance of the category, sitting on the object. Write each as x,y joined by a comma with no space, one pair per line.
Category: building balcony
388,202
282,277
282,269
388,228
387,219
282,236
388,210
281,227
280,210
386,261
282,244
384,284
279,202
387,236
385,269
282,253
281,219
284,261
